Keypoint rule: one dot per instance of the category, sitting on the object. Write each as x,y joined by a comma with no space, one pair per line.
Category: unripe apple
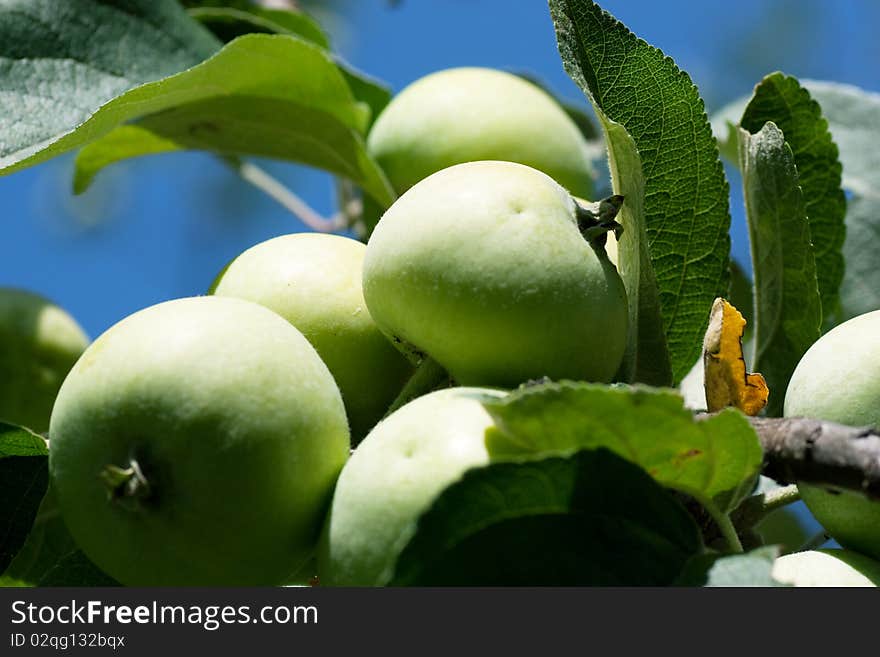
39,343
393,477
197,442
314,282
468,114
483,267
827,568
838,380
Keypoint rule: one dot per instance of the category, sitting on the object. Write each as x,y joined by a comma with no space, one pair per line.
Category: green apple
838,380
483,267
827,568
39,343
314,282
197,442
467,114
394,476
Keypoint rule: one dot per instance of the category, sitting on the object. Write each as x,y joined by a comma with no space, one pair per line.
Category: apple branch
820,453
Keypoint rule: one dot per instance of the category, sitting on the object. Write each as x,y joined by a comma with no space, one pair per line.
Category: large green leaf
590,519
24,476
61,60
246,100
664,161
716,460
788,312
781,99
239,125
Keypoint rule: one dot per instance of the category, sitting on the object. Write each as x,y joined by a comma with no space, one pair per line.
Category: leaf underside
588,519
716,461
781,99
788,312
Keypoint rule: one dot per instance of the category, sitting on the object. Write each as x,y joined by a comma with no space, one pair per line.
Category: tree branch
820,453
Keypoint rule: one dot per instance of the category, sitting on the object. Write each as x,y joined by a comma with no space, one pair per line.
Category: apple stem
428,376
128,486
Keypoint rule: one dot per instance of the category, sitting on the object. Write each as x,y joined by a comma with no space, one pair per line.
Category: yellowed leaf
726,380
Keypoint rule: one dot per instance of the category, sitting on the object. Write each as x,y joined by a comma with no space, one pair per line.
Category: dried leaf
726,380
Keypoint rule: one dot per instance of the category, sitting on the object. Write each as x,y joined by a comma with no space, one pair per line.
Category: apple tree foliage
589,484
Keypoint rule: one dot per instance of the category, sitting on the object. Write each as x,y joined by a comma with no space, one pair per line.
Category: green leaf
122,143
61,60
750,569
48,541
20,442
782,100
854,119
367,90
788,313
587,519
230,22
24,476
664,161
75,569
240,125
715,461
246,100
236,18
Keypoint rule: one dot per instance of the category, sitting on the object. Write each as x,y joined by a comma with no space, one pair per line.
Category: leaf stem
728,531
265,182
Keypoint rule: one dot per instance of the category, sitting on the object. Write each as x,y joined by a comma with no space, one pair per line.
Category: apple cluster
244,437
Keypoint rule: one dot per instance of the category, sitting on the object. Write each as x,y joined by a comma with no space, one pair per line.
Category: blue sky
162,227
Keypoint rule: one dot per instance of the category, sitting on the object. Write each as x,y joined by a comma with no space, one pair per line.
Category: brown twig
820,453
